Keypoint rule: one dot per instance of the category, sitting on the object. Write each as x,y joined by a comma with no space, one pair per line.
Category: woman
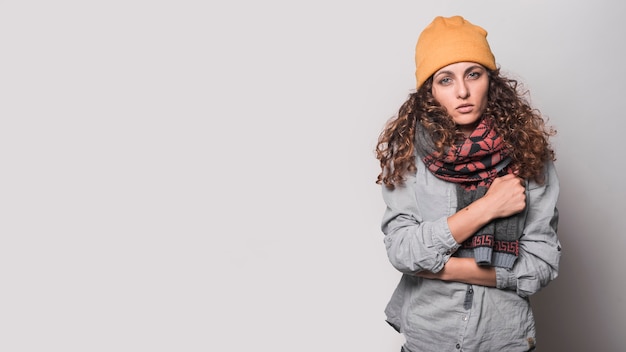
469,181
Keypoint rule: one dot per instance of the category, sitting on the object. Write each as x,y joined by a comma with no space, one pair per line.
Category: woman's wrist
464,223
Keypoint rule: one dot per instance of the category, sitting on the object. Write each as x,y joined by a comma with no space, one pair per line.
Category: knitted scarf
472,165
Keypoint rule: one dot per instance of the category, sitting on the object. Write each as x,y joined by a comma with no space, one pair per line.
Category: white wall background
195,176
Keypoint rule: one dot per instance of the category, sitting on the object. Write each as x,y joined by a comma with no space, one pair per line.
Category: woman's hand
506,196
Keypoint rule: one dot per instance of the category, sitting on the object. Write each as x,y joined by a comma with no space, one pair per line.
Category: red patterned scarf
473,164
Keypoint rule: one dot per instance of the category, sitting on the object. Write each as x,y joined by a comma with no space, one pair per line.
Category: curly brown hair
523,128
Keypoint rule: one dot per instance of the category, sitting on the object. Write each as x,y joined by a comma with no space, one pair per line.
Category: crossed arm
505,197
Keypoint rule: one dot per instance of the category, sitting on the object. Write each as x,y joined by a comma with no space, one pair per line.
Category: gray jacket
450,316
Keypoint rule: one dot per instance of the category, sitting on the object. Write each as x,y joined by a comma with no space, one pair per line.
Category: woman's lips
464,109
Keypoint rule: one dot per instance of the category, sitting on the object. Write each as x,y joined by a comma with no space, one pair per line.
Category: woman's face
461,88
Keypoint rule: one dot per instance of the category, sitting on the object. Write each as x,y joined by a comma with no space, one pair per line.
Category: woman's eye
474,74
445,81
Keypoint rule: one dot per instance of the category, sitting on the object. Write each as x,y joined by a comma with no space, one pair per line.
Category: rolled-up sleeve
539,247
414,244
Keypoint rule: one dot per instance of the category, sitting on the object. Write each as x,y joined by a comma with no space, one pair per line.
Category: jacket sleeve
412,244
539,248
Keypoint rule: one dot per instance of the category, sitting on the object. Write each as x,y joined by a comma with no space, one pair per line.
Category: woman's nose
462,91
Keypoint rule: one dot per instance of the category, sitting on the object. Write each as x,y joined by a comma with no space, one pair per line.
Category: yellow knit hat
447,40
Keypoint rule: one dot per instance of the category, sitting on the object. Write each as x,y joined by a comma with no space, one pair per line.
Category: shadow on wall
573,313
